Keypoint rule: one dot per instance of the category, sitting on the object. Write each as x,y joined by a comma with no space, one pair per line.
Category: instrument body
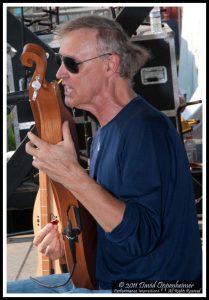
49,113
44,211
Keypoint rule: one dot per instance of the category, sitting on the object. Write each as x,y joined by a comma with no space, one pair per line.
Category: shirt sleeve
142,190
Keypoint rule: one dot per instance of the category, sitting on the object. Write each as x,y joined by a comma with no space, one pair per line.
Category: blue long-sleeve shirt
139,158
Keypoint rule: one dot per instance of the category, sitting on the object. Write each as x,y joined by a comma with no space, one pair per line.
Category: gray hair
111,38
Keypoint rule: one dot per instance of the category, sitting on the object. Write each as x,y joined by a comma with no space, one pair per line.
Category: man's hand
59,161
50,241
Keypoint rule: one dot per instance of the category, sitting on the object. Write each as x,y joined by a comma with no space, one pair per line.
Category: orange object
49,114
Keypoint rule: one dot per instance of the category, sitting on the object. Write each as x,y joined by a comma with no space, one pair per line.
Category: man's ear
112,64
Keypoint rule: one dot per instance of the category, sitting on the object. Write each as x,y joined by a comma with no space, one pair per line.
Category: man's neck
111,102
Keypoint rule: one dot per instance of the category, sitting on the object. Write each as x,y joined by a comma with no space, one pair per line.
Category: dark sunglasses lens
70,64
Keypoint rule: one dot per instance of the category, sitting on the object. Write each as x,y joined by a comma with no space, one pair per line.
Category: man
139,189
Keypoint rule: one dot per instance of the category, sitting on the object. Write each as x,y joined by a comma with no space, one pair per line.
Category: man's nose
62,71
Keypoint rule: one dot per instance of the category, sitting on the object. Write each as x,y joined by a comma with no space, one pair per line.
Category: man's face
81,89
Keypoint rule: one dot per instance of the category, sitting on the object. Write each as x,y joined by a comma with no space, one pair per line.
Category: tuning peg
36,85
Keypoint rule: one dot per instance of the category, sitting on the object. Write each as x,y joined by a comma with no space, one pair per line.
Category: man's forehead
79,39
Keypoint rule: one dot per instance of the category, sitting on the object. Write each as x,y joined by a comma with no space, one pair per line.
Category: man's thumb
65,130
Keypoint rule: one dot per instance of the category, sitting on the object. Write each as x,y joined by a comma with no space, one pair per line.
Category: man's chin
69,102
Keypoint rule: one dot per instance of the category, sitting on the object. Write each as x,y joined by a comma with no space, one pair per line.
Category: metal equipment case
157,80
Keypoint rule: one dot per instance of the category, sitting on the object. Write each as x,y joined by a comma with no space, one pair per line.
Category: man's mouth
68,91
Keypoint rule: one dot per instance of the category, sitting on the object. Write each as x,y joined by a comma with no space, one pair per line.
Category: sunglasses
71,64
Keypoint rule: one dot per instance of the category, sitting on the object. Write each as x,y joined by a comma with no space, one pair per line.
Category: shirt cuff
126,227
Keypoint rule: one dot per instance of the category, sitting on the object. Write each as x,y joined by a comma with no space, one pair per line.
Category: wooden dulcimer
45,211
77,225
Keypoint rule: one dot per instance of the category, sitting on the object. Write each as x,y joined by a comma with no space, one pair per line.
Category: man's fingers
53,250
42,233
35,139
58,248
48,241
30,149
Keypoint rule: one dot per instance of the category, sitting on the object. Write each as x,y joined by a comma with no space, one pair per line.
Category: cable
72,236
53,286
